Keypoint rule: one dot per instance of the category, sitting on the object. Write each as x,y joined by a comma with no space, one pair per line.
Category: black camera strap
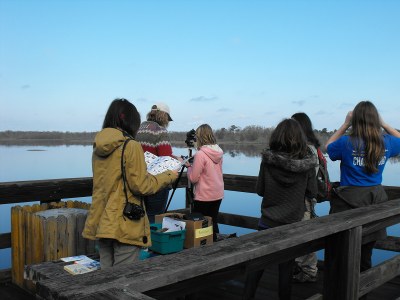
124,180
123,169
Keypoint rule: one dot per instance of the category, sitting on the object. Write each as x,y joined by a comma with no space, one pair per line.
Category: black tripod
189,190
190,140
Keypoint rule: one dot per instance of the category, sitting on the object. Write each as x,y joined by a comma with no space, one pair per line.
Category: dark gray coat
283,182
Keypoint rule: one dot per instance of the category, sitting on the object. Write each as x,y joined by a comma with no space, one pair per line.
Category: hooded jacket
206,173
105,218
283,182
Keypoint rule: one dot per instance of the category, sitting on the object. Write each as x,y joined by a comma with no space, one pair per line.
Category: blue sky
218,62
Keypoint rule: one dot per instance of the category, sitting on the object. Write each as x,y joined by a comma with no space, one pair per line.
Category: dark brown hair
307,127
288,137
123,115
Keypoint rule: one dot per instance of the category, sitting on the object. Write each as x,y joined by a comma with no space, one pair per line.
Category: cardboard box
198,233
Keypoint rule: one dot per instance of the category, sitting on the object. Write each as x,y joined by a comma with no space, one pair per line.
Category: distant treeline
248,135
46,135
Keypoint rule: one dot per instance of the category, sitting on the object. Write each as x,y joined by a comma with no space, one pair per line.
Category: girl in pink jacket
206,175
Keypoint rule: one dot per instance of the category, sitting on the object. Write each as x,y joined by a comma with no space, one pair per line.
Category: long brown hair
366,135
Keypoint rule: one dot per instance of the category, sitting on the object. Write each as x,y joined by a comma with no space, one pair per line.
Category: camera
133,211
190,138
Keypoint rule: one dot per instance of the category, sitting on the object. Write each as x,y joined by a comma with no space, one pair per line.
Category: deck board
267,289
10,291
233,289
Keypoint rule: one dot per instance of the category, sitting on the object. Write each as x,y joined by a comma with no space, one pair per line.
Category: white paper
74,258
159,164
172,224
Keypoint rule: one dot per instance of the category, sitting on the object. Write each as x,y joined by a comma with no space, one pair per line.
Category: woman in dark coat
286,177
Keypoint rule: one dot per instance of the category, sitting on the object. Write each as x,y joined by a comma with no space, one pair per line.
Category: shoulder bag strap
123,169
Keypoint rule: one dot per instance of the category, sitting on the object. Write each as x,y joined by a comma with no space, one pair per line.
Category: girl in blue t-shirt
363,155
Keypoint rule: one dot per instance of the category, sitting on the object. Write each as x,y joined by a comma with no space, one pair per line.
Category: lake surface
19,163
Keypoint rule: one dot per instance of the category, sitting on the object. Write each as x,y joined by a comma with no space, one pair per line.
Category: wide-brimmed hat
162,107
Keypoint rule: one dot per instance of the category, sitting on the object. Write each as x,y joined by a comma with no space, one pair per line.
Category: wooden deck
233,289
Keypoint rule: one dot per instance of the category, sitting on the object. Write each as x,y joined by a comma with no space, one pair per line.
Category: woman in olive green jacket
120,237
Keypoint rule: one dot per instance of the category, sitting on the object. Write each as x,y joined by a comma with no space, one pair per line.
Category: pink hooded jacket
206,173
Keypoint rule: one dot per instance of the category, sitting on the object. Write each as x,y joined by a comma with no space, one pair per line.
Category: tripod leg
174,189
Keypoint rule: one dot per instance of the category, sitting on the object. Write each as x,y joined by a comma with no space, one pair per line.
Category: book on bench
82,266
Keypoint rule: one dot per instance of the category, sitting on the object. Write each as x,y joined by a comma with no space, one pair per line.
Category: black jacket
350,197
283,183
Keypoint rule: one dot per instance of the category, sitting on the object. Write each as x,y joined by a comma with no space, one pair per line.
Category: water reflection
235,150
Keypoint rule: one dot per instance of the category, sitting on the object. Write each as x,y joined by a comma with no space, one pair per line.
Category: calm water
20,163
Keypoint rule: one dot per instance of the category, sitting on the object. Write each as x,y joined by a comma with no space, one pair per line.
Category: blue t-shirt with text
352,162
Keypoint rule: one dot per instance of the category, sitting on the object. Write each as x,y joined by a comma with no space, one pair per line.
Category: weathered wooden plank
375,277
393,192
18,244
342,265
232,182
391,243
45,190
195,285
5,275
50,238
80,241
29,238
238,220
383,223
115,294
157,272
62,237
37,232
5,240
316,297
56,189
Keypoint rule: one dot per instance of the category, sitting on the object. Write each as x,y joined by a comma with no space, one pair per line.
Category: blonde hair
158,116
205,136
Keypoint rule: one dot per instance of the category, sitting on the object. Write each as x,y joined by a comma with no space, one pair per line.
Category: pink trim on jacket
206,173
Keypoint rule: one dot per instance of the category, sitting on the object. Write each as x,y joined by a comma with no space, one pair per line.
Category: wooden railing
340,235
194,269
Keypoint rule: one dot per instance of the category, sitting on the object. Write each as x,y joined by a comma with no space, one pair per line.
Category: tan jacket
105,218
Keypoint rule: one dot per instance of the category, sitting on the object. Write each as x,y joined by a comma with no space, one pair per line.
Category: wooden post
46,232
342,265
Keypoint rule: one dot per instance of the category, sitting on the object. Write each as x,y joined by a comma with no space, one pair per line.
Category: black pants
366,261
285,280
211,209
